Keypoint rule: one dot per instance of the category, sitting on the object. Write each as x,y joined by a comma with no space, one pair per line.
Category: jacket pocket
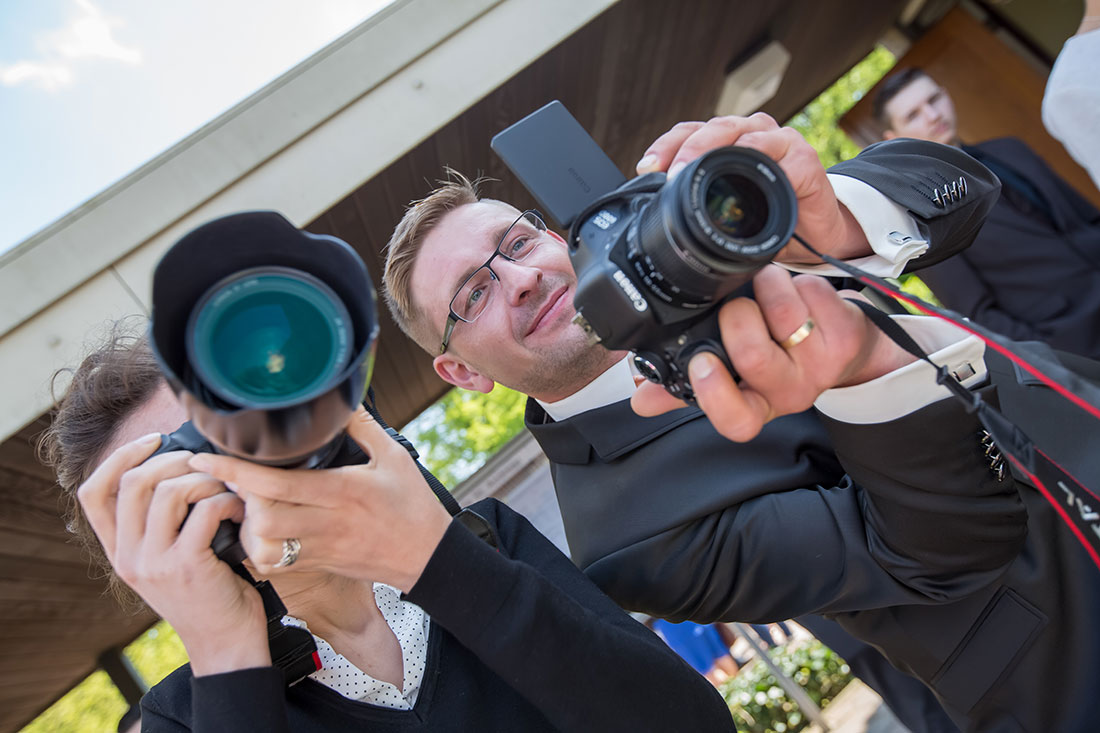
990,650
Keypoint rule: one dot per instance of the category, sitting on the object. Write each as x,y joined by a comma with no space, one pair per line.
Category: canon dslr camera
653,258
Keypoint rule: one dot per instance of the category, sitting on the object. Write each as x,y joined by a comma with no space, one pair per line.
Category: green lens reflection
269,337
736,206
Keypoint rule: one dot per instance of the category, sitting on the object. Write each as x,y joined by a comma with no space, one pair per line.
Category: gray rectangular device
556,159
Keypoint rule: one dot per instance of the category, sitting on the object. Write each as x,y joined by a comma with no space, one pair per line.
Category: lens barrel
712,227
266,333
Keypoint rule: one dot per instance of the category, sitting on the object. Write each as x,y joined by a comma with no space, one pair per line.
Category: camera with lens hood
267,336
654,258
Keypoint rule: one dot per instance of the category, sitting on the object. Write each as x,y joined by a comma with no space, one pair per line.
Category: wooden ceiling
628,76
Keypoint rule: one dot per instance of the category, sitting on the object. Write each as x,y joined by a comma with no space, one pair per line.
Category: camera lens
708,230
736,206
269,336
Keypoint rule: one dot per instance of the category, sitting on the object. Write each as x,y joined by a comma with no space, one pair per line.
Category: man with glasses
519,240
906,549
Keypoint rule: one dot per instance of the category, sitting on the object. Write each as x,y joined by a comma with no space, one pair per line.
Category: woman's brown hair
114,380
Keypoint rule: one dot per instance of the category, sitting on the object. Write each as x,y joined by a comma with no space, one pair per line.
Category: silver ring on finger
291,547
799,334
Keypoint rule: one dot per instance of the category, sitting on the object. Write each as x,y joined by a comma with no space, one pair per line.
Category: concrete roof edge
112,223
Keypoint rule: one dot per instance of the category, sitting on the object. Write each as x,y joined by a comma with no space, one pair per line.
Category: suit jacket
1033,271
966,582
898,531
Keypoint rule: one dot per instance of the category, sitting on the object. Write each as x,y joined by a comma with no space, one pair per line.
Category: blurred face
524,338
922,110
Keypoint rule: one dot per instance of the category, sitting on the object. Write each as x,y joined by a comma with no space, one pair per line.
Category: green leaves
760,705
95,705
818,120
457,434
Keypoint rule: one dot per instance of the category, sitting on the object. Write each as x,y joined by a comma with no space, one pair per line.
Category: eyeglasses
478,290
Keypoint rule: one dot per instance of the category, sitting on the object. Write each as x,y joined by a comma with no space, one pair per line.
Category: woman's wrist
216,653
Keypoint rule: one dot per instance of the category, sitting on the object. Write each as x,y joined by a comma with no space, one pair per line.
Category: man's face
922,110
525,338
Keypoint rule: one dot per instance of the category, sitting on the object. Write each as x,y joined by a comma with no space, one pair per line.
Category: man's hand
822,220
378,522
842,349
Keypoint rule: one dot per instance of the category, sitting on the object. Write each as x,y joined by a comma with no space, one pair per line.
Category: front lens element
271,336
736,206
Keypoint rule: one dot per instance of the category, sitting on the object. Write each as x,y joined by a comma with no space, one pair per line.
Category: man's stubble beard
566,367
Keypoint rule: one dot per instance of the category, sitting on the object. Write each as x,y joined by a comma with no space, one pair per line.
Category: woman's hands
136,507
379,521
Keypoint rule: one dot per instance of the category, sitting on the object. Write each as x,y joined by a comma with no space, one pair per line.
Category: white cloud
48,76
89,34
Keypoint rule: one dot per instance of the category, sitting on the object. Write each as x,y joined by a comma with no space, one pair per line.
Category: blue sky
91,89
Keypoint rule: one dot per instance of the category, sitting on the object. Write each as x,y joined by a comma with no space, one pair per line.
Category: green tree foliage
457,434
819,124
760,705
95,705
818,120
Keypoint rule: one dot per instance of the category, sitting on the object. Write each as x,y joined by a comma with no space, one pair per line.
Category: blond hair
421,217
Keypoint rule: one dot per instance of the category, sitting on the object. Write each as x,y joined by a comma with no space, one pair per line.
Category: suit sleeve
971,294
537,622
920,519
910,172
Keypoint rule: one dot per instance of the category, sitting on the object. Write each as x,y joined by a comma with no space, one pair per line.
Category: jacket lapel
609,432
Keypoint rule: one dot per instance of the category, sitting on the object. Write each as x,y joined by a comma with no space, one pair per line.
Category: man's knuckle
787,310
752,358
687,126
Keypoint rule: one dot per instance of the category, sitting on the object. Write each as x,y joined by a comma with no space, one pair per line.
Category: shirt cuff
891,231
913,386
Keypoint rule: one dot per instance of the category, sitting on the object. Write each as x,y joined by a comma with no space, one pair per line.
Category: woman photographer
420,624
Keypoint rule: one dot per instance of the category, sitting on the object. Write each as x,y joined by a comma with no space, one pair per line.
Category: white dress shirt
1071,104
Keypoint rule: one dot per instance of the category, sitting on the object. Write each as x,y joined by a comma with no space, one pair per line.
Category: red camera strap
1076,504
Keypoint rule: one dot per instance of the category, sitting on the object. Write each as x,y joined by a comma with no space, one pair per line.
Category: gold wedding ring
799,335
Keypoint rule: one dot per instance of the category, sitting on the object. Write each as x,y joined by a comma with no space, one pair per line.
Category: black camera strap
1075,503
466,517
293,649
445,497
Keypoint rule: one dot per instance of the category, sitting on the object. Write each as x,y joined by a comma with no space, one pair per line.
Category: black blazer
899,531
966,582
1033,272
519,641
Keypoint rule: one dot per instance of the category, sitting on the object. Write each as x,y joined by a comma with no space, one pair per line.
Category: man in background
1033,272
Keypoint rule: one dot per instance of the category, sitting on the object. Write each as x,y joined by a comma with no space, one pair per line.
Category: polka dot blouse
410,625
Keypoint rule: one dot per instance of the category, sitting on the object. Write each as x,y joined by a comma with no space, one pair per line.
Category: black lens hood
280,434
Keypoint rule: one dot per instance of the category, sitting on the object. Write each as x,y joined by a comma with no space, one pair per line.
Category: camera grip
668,365
226,543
